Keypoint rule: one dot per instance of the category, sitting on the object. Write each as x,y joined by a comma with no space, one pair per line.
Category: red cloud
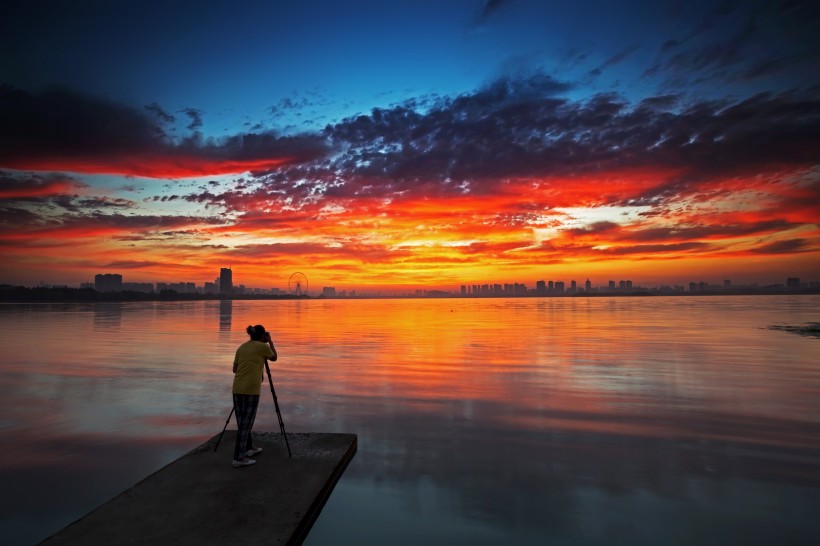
35,186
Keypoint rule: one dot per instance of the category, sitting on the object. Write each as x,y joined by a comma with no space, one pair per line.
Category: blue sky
318,62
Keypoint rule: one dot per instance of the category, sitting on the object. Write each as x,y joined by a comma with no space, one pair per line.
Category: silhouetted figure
247,383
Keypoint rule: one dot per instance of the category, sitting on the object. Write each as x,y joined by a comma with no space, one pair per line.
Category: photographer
247,368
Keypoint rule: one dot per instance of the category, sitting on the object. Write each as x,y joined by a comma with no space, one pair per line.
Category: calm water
521,421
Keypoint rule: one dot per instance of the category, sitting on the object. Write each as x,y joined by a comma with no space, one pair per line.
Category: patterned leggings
245,407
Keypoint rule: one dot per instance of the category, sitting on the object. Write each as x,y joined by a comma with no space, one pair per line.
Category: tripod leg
281,423
228,420
276,405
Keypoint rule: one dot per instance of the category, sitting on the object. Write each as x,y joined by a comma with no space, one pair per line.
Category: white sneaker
253,451
243,462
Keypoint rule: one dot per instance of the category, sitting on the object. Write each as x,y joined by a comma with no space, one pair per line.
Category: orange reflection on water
623,366
509,407
684,368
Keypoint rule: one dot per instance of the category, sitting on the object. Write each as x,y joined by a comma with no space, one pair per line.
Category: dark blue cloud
742,42
491,7
61,129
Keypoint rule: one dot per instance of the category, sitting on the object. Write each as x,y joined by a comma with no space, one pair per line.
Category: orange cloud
469,190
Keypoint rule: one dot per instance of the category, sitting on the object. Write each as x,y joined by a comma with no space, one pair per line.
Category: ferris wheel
298,284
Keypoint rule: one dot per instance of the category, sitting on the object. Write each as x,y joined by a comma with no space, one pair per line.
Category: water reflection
674,421
107,316
225,315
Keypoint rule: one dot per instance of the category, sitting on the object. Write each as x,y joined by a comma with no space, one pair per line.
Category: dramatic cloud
742,42
785,247
97,224
60,130
162,115
53,191
20,188
517,175
501,141
599,151
195,117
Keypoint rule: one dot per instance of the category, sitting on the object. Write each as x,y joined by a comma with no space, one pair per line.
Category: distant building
559,287
793,283
108,282
225,281
144,287
436,293
330,291
588,286
210,288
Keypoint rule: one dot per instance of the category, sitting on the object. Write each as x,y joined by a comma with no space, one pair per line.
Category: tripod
278,414
228,420
276,405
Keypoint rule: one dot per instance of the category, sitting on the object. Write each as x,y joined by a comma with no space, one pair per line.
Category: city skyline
224,285
391,146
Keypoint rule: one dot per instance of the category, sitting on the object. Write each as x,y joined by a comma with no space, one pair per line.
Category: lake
645,420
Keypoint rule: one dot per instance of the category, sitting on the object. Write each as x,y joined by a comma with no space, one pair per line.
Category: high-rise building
108,282
225,281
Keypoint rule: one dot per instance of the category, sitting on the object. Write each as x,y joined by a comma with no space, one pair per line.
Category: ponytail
257,332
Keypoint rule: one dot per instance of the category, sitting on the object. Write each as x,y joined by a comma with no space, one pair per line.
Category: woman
247,383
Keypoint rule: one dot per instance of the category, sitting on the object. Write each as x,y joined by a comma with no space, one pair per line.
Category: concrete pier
200,499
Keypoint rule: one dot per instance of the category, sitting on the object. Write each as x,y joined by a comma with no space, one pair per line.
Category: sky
403,145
